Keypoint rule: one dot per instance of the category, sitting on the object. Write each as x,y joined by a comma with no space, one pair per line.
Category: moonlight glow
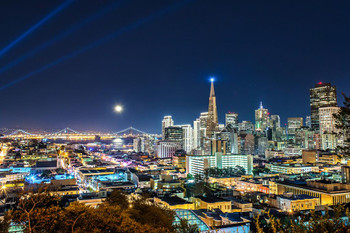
118,108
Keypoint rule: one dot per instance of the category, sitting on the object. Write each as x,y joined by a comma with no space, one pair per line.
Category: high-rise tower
261,118
166,122
322,95
212,122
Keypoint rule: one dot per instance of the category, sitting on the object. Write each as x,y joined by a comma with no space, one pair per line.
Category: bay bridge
74,135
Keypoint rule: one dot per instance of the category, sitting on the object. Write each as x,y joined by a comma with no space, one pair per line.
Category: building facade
261,118
166,122
322,95
212,121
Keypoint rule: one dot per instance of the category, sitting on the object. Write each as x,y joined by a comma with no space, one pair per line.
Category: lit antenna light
38,24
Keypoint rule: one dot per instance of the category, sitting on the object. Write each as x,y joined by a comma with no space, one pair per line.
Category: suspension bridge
71,134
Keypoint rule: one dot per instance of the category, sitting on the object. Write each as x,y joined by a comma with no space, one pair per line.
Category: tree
239,171
119,198
256,171
37,211
5,223
144,212
185,227
41,212
342,121
336,222
267,170
190,176
60,171
229,171
46,174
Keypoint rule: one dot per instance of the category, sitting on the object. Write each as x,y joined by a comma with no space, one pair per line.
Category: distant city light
118,108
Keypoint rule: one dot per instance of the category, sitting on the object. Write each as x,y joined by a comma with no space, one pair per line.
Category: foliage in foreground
342,120
336,222
42,212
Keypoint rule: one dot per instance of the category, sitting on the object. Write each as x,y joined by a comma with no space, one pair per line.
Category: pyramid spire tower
212,121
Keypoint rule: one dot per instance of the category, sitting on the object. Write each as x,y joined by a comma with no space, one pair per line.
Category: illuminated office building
167,149
231,119
326,119
196,134
304,137
230,136
322,95
187,137
196,164
246,126
275,122
262,145
166,122
174,133
294,123
203,118
139,144
261,118
308,121
247,144
328,130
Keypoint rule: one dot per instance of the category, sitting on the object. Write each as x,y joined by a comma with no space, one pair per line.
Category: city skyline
284,122
174,116
130,70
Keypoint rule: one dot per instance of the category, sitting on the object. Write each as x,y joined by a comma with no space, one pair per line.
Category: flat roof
213,199
304,186
174,200
299,197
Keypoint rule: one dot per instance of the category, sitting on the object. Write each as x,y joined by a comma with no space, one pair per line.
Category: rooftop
212,199
174,200
299,197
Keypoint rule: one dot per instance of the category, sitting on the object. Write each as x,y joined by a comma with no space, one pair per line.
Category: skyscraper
166,122
231,118
246,126
196,134
275,122
328,130
294,123
327,120
187,137
261,118
308,121
212,121
173,133
203,118
322,95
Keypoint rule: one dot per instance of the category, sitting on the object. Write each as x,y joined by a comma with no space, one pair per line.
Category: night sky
270,51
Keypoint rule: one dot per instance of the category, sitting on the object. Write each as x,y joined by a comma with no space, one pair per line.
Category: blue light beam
99,42
38,24
64,34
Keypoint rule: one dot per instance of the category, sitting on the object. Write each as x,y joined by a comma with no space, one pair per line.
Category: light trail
38,24
62,35
99,42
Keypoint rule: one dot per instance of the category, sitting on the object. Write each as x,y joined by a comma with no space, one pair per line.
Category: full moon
118,108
